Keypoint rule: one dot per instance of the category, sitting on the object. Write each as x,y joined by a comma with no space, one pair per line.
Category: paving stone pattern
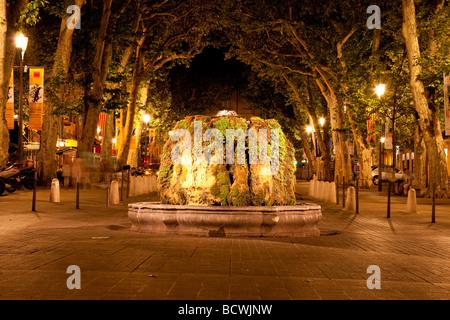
37,247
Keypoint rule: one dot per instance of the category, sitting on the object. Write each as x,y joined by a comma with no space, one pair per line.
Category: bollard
351,199
55,195
343,192
433,207
316,189
140,185
311,187
114,198
33,206
154,187
132,188
147,184
332,192
320,193
326,190
78,191
411,204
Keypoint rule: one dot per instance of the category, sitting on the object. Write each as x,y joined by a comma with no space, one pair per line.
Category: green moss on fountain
228,184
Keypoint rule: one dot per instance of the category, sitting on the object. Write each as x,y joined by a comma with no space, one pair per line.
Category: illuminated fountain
227,176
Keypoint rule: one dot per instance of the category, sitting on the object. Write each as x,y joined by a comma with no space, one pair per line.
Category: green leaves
30,15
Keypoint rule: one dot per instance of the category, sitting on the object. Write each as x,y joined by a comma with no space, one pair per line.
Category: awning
67,150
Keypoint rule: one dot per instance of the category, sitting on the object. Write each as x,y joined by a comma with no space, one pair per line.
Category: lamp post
21,43
379,89
322,121
146,118
309,130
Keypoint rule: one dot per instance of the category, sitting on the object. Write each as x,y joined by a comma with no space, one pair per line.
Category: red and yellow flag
371,126
36,98
9,114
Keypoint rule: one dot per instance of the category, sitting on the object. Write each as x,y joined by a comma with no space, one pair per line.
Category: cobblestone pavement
36,249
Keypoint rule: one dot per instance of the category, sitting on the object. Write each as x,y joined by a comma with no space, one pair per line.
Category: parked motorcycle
27,177
10,177
2,187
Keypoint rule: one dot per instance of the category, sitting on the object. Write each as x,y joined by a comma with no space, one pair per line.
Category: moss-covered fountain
225,176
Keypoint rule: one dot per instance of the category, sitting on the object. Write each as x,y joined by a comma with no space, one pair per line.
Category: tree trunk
304,136
342,158
131,112
105,157
131,109
419,157
428,118
9,15
49,134
364,153
93,106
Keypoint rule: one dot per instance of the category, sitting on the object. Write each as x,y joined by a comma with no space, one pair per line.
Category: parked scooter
27,177
2,187
10,178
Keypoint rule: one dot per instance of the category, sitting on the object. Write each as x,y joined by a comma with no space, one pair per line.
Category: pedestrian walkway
36,248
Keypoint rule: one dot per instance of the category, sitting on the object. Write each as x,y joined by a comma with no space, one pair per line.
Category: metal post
337,189
389,200
33,207
78,191
433,208
357,196
20,134
343,191
380,169
128,183
107,189
121,188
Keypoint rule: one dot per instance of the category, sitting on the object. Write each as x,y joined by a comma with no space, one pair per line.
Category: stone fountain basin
300,220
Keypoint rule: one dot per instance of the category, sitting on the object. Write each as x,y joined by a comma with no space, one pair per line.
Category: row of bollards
139,185
329,191
323,190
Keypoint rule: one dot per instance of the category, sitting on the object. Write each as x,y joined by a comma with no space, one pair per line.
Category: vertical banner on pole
388,134
447,104
118,133
370,126
36,98
9,114
134,142
101,123
316,143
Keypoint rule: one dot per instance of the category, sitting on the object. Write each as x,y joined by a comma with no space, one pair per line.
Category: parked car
387,174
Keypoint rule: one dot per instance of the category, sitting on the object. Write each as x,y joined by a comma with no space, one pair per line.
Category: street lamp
380,89
322,121
21,43
146,118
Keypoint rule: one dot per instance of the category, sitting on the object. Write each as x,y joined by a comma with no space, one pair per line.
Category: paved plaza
36,248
